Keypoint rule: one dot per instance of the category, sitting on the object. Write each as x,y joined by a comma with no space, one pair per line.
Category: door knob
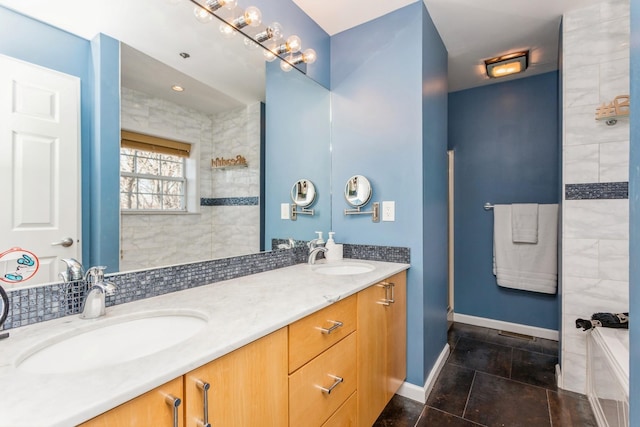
64,242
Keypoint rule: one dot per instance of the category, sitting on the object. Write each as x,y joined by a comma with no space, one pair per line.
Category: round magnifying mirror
303,193
357,191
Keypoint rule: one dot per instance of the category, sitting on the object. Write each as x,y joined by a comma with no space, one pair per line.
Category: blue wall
435,195
377,131
32,41
505,138
634,217
298,135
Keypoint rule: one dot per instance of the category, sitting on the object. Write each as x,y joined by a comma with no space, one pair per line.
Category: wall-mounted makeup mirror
303,195
357,193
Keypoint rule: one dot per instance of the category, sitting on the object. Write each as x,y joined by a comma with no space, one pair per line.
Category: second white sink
343,269
110,342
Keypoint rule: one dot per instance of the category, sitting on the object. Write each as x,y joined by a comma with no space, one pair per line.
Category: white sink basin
110,342
343,269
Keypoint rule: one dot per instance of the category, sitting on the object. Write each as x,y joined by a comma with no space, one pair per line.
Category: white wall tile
580,258
582,86
581,163
596,219
614,260
614,160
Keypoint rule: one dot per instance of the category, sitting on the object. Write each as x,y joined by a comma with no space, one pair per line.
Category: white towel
524,222
522,265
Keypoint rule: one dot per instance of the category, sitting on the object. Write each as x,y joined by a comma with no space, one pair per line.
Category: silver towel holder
488,206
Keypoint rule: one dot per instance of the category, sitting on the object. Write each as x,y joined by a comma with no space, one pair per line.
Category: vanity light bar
269,39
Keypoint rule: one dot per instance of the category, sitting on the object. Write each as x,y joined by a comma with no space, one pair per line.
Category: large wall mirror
231,98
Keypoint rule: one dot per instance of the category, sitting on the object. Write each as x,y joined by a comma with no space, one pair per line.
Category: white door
39,172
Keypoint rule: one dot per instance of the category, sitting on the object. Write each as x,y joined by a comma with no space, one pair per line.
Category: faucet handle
95,274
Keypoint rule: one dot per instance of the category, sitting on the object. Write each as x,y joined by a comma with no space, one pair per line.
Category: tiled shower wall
595,216
228,221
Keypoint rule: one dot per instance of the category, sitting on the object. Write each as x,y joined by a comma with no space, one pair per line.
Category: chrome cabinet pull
335,326
387,300
337,380
204,386
174,402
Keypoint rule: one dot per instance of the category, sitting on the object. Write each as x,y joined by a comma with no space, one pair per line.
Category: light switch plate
388,211
284,211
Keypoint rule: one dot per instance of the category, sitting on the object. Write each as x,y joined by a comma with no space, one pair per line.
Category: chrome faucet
94,302
314,249
74,270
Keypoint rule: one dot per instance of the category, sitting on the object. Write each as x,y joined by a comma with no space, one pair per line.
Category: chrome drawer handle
335,326
174,402
204,386
387,300
337,381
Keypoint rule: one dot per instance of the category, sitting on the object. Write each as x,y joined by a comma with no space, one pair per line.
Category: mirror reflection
357,191
303,193
220,115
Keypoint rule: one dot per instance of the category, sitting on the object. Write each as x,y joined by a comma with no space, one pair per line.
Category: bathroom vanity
293,346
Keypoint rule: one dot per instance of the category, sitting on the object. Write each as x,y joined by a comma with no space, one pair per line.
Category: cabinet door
150,409
371,354
382,353
248,387
397,334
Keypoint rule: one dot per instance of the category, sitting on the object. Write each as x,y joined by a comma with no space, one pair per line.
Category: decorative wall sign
221,162
617,108
18,265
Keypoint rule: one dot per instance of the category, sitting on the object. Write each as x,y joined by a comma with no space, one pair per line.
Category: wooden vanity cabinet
322,366
355,349
382,343
149,409
248,387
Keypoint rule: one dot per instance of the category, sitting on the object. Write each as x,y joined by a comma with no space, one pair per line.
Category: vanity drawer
309,405
346,416
315,333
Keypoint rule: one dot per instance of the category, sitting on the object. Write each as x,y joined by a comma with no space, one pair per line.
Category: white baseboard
558,376
420,394
534,331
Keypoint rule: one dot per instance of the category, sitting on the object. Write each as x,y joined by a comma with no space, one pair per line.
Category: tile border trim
597,191
230,201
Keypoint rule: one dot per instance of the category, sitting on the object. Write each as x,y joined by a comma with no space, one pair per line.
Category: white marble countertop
239,311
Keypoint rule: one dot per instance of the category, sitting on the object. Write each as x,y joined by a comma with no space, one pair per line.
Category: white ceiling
471,30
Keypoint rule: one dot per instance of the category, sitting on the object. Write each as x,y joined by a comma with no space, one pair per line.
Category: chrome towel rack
488,206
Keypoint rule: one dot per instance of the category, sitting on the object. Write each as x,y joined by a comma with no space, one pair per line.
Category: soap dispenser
334,251
319,241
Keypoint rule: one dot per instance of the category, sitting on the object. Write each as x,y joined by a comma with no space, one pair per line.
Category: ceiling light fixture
507,65
177,88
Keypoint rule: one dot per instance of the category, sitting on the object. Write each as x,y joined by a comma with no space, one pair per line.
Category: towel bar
488,206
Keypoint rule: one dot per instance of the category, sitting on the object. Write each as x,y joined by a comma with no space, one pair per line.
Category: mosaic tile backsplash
597,191
38,304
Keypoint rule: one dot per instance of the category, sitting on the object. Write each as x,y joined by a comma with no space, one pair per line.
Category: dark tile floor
493,380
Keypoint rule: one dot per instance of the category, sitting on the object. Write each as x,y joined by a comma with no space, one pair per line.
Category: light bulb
285,65
250,43
227,30
293,44
309,56
269,54
272,33
277,33
202,15
229,4
251,17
